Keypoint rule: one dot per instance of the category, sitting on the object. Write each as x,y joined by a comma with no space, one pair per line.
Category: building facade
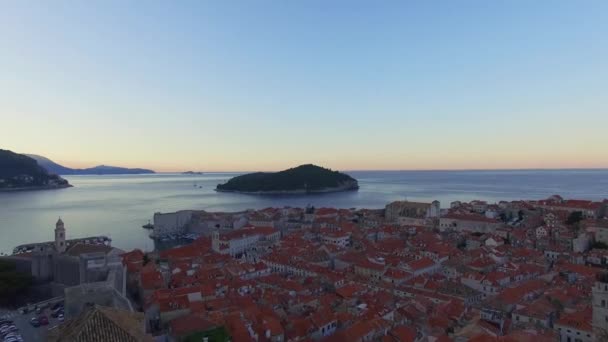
238,241
171,223
395,210
600,305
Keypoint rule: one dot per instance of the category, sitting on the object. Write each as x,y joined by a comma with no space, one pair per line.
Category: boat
148,225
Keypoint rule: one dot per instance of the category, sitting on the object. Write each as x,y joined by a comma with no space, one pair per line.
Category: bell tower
60,237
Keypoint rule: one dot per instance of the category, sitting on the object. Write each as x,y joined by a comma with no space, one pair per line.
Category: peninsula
20,172
303,179
55,168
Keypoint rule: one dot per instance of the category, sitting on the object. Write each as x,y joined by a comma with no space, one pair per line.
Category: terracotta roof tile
98,323
81,248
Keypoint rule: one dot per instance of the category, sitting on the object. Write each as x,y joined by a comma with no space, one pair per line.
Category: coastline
37,188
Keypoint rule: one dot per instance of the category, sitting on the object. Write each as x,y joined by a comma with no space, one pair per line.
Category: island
304,179
55,168
20,172
197,173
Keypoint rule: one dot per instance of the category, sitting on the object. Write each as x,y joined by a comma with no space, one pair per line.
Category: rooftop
102,324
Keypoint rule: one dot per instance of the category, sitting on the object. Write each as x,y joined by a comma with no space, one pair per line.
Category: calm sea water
118,206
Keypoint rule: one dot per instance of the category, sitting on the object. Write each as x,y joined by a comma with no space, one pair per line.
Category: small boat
148,225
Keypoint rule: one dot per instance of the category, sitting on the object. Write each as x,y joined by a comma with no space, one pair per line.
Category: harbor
169,241
175,236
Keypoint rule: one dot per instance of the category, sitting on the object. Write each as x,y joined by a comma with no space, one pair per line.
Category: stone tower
60,237
215,240
435,209
600,306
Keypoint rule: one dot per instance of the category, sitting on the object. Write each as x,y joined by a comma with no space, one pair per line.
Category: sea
118,205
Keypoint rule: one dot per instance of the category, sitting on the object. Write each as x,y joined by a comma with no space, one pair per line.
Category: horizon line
415,170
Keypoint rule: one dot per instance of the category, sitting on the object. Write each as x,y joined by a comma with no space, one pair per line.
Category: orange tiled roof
403,333
579,320
420,264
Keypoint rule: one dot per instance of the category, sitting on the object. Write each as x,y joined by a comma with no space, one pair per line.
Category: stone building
470,222
171,223
235,242
71,262
393,211
600,306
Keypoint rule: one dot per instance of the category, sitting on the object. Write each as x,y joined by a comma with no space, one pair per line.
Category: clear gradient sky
264,85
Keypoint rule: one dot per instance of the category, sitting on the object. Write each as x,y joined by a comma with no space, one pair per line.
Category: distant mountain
55,168
299,180
111,170
20,172
51,166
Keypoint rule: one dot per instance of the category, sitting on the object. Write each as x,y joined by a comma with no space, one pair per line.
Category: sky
266,85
